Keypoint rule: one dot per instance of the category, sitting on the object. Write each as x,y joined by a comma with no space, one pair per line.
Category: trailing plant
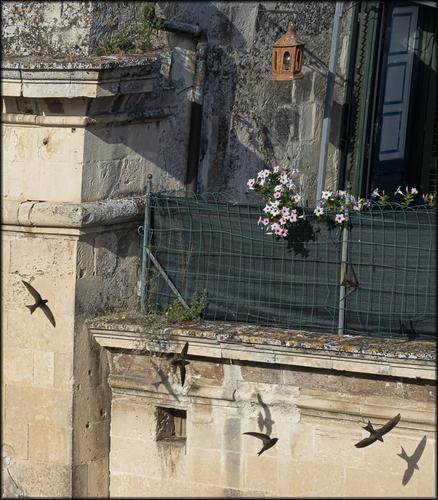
337,206
279,192
282,209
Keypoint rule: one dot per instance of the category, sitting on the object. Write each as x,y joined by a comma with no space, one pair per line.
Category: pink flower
326,195
284,233
414,191
263,174
339,218
318,211
264,221
251,184
277,194
284,178
283,221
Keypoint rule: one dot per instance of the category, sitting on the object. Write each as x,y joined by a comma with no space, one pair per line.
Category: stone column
79,140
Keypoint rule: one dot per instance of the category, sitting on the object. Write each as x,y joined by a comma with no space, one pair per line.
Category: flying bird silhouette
181,361
376,435
267,441
39,302
412,460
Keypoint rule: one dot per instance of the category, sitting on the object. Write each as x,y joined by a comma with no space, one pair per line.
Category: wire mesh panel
212,242
393,251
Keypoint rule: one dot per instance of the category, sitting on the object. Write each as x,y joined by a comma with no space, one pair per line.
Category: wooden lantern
287,57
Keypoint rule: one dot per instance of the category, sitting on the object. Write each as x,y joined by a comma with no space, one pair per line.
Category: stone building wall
79,141
249,122
313,392
60,29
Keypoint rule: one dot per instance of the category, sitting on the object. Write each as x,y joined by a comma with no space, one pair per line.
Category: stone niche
313,392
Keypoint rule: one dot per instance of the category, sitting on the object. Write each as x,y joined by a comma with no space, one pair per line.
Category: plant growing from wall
134,39
175,311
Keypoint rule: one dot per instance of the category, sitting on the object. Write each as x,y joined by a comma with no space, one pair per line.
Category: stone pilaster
79,140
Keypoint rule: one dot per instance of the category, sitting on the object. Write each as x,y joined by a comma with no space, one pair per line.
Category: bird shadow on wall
164,380
412,461
264,418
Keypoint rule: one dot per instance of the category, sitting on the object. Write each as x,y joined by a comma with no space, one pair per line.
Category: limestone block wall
316,412
80,139
37,368
249,121
56,400
110,130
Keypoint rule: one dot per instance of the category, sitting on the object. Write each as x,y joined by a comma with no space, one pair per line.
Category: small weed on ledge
135,39
175,311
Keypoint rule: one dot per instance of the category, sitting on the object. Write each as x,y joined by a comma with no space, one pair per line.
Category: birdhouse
287,57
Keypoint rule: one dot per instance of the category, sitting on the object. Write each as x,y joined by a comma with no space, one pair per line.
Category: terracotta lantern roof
288,39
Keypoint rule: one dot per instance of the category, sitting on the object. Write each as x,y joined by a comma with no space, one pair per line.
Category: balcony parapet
277,346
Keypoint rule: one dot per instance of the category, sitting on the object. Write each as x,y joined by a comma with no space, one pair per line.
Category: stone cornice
239,342
72,215
85,77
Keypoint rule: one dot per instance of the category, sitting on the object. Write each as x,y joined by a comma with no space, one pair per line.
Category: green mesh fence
212,242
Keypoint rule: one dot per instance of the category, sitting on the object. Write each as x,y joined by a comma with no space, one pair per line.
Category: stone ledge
72,215
79,77
142,116
79,62
244,342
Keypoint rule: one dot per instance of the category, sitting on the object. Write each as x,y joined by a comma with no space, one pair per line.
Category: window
171,424
391,125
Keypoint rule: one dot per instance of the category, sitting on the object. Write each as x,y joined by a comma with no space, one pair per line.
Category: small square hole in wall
171,424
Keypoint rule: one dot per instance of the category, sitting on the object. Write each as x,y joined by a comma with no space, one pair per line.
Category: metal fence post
146,240
344,252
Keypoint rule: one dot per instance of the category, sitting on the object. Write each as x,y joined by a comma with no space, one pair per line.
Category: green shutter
363,59
428,102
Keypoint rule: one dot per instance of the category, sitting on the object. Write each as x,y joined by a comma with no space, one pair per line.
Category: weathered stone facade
313,392
80,139
80,135
248,121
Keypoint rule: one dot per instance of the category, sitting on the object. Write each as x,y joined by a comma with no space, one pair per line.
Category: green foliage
175,311
135,39
430,199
